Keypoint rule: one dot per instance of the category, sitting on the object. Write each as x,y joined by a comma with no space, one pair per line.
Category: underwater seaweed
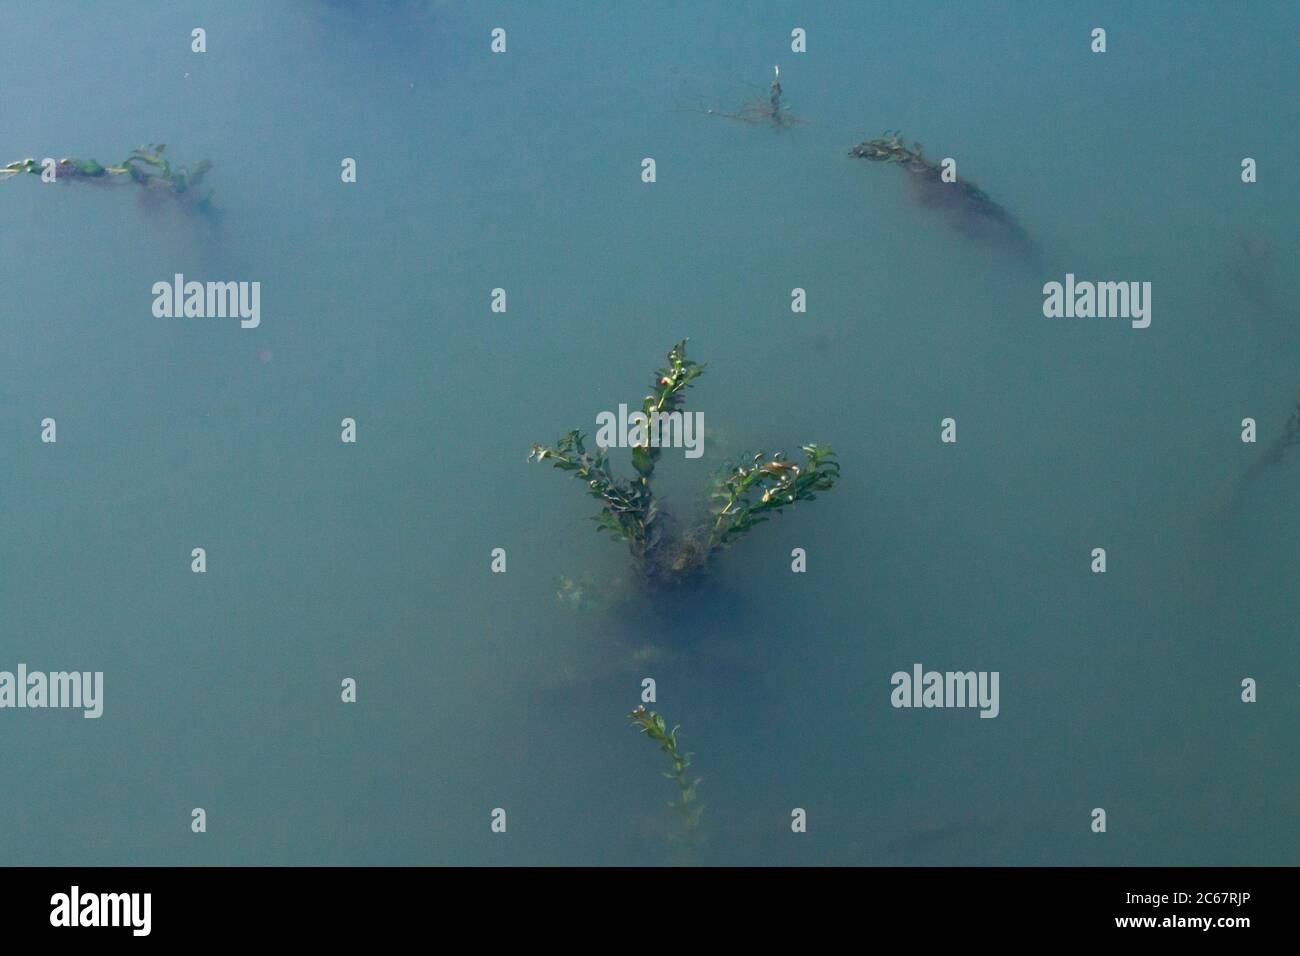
687,806
971,209
742,497
145,166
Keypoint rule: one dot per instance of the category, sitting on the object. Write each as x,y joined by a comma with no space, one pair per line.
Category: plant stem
654,727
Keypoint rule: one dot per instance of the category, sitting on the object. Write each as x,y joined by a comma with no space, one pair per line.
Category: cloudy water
970,546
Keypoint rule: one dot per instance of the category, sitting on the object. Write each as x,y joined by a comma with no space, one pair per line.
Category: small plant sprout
686,805
665,553
755,109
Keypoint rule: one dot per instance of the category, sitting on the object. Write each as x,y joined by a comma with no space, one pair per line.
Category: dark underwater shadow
695,633
964,206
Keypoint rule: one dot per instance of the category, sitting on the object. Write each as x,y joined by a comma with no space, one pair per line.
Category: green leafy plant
687,805
742,497
974,212
146,166
749,494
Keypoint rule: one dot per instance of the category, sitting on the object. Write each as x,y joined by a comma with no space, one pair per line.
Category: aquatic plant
748,494
687,806
146,166
1290,437
1291,434
757,110
974,212
581,594
1272,455
742,497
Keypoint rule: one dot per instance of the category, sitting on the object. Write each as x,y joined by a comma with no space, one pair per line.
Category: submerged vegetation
1253,271
686,805
146,166
757,109
1288,439
1272,455
742,497
971,210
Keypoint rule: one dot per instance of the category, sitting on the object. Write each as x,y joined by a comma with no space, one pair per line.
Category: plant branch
654,727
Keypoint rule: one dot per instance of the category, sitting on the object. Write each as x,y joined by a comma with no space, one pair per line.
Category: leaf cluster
667,396
628,508
743,497
748,495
